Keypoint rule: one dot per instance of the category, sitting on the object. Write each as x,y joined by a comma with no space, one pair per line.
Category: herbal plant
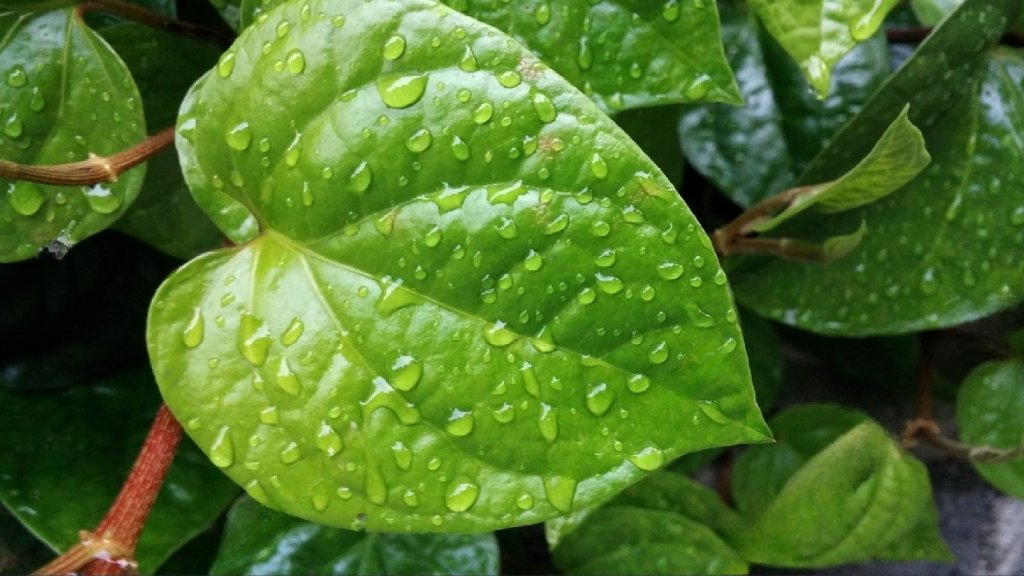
442,279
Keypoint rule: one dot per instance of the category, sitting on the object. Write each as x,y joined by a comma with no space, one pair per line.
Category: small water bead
433,237
13,126
600,228
696,281
402,455
286,379
467,62
253,339
638,383
434,464
606,259
283,28
599,398
587,296
406,373
929,282
328,440
647,293
293,332
483,112
560,492
670,10
534,261
360,179
270,415
26,198
460,423
394,47
461,494
698,317
548,422
524,502
460,149
670,270
648,459
498,335
504,414
560,223
401,90
338,21
544,108
226,64
295,61
659,353
16,76
509,79
542,13
38,101
102,199
222,450
632,214
239,136
609,284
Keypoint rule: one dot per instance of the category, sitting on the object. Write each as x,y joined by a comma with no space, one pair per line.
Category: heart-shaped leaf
261,541
473,302
989,412
818,33
65,95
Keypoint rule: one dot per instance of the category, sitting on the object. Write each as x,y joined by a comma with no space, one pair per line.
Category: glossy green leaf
665,524
817,34
231,11
260,541
165,215
65,95
35,484
990,412
782,124
622,53
438,273
897,158
931,12
932,257
851,501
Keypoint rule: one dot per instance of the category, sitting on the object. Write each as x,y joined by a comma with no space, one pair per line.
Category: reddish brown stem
92,171
111,547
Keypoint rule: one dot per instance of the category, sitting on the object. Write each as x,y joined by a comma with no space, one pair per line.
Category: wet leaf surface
509,265
989,412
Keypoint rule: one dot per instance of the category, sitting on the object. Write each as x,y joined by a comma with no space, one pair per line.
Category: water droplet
534,261
102,199
498,335
587,296
13,126
638,383
393,297
193,334
542,13
376,487
929,282
599,398
222,450
394,47
548,422
670,270
360,179
524,502
585,56
648,459
320,500
647,293
38,101
504,414
544,107
328,440
460,422
338,21
483,112
401,90
1017,216
561,222
560,492
411,499
609,284
509,79
292,334
461,494
16,77
406,373
286,379
713,412
670,10
598,166
270,415
460,149
26,198
295,61
239,136
600,228
419,141
659,353
698,317
402,455
253,339
226,64
467,63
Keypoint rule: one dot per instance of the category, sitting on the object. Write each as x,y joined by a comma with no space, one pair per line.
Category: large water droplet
286,379
483,112
291,453
698,317
467,63
542,13
609,284
360,179
504,414
393,296
328,440
659,353
376,486
461,494
239,136
498,335
293,332
102,199
460,422
253,339
670,270
638,383
222,450
648,459
524,502
26,198
402,455
419,141
394,47
460,149
534,261
401,90
544,107
270,415
406,373
509,79
599,398
226,64
548,422
193,334
560,492
16,77
295,61
13,126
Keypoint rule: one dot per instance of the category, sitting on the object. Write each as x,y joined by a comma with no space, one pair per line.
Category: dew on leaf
402,455
26,198
585,55
38,101
394,47
399,90
460,422
698,317
504,414
534,261
461,494
599,398
239,136
530,381
638,383
609,284
548,422
649,459
659,353
483,113
460,149
226,64
509,79
376,487
360,178
587,296
598,167
327,440
670,270
560,223
411,499
253,339
419,141
600,228
544,108
295,61
670,10
542,13
286,379
222,450
467,62
524,502
16,76
102,199
293,332
560,492
270,415
498,335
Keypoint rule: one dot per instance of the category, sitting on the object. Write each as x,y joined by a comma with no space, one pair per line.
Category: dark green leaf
260,541
817,34
931,12
834,491
932,257
990,411
231,11
653,130
622,53
755,151
65,95
439,273
48,491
